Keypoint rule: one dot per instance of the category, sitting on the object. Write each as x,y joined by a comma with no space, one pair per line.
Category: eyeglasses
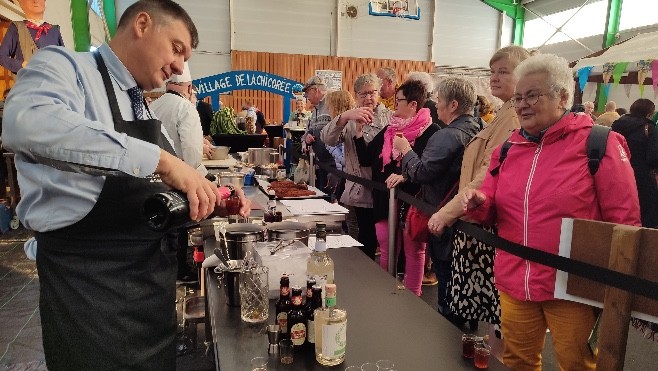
400,99
530,99
363,94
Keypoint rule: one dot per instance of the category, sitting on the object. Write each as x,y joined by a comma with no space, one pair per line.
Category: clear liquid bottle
330,331
319,265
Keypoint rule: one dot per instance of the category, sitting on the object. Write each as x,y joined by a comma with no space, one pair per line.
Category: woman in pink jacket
544,178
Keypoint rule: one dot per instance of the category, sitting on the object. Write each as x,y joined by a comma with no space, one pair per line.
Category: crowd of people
516,171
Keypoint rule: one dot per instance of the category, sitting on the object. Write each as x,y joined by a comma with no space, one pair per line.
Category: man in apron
88,153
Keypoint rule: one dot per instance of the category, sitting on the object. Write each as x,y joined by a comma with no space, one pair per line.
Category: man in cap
315,90
88,154
181,119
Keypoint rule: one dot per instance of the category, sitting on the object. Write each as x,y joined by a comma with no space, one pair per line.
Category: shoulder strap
25,41
503,154
596,144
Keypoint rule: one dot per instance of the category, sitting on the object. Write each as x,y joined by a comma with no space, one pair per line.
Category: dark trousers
367,235
440,249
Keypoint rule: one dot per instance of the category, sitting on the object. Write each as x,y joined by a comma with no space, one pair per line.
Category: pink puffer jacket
541,183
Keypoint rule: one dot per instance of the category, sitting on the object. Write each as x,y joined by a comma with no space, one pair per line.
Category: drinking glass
369,367
482,352
259,364
468,345
254,294
285,351
385,365
353,368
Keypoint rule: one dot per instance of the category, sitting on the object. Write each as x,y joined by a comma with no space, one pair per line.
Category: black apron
107,282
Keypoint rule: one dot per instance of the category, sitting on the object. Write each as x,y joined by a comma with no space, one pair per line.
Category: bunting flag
643,67
627,90
654,73
583,75
607,89
619,70
607,72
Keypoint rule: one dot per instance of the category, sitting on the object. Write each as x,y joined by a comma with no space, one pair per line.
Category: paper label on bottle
282,321
296,300
334,339
310,331
298,334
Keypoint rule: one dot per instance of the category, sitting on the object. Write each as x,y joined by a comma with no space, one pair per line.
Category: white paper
313,206
561,277
335,242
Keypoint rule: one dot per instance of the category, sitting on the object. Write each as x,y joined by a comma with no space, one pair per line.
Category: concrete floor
20,337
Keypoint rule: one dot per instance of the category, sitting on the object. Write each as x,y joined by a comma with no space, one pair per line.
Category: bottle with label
269,215
283,307
169,210
330,331
310,282
316,302
297,319
319,265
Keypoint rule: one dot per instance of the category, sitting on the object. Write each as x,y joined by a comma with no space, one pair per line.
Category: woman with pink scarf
414,123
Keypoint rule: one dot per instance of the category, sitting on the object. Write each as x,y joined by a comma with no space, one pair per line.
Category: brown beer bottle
297,319
316,302
283,307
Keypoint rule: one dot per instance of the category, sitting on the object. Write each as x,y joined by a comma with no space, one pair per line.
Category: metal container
241,239
208,226
219,153
288,231
230,281
259,156
235,179
274,157
269,172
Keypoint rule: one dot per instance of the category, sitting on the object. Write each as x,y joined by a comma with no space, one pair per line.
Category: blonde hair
513,53
339,102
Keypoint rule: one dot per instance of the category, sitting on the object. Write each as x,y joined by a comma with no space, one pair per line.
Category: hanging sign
333,79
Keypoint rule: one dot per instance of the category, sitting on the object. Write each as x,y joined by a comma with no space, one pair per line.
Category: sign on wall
395,8
333,79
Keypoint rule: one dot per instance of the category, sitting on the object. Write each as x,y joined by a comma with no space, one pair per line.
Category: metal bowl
288,231
235,179
219,153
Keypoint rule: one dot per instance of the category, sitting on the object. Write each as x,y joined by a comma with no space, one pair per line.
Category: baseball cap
184,77
313,81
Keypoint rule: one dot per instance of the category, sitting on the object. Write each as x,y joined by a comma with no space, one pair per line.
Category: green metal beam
612,23
110,13
80,23
515,10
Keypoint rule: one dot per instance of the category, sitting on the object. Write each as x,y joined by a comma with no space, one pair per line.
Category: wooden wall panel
300,68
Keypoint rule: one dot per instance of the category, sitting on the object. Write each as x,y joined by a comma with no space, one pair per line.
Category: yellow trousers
524,325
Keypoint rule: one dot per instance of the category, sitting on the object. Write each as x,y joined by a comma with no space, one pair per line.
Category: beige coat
332,134
477,157
607,118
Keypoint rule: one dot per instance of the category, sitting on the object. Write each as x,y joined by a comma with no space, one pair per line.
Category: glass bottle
269,215
297,319
316,302
319,265
283,307
330,331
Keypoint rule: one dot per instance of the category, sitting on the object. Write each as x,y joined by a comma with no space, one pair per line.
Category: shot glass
369,367
482,352
353,368
259,364
285,351
468,345
385,365
399,281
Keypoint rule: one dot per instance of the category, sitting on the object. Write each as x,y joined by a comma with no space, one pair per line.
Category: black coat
642,138
369,155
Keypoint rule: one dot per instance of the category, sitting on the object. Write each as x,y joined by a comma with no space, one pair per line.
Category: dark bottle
310,282
169,210
316,302
297,319
283,307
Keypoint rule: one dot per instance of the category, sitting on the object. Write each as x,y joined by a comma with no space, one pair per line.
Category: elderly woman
369,117
474,297
413,122
544,178
437,168
642,138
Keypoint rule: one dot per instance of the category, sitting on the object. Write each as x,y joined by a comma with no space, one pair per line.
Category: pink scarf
411,128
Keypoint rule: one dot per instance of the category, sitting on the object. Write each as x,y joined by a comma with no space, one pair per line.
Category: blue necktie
137,102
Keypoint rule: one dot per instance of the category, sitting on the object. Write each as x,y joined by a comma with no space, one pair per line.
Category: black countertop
382,323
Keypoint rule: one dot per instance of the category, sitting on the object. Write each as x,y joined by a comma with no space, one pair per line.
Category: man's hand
309,139
202,195
207,148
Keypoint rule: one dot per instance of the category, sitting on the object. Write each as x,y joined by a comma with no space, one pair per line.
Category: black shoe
473,325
